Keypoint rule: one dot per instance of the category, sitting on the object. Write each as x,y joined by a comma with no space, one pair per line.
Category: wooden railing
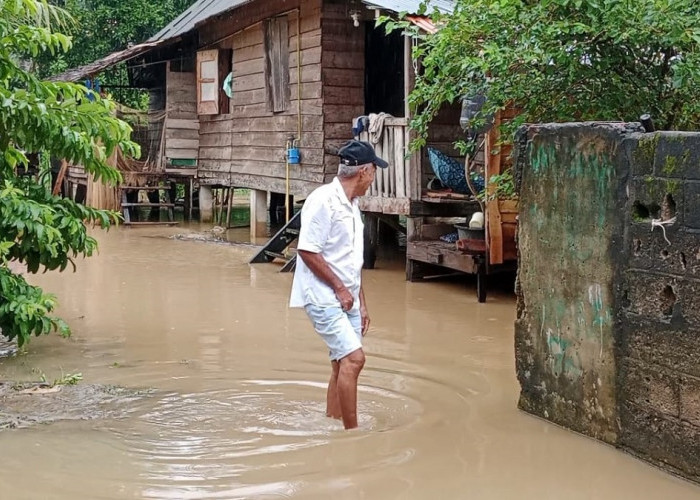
393,187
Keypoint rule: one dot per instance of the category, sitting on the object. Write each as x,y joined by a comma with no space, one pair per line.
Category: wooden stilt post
371,237
219,203
231,192
187,205
414,229
190,199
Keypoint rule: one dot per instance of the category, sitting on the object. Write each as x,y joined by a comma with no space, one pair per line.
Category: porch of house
401,193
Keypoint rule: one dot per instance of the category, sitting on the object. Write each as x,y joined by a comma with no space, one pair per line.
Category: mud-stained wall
607,339
572,198
659,368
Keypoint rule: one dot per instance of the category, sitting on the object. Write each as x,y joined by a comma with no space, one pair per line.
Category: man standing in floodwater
327,280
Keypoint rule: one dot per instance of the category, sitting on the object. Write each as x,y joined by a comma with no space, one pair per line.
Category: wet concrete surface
239,380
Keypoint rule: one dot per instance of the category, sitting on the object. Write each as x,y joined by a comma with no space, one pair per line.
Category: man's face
367,176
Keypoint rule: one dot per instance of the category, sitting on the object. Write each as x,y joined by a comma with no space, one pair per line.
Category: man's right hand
320,268
345,298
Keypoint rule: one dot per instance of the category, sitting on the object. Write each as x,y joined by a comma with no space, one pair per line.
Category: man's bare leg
350,367
332,401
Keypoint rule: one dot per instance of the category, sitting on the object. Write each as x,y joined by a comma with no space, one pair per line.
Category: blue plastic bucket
293,156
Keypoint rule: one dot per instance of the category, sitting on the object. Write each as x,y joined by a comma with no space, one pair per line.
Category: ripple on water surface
232,443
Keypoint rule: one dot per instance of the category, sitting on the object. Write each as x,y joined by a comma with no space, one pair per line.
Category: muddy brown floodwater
237,409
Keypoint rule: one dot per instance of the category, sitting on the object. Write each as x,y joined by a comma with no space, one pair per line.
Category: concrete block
640,151
648,387
691,206
649,249
664,441
681,257
662,344
643,247
655,198
655,297
689,246
688,294
661,297
690,400
677,155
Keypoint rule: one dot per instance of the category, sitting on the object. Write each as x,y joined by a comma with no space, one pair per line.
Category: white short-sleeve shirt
332,226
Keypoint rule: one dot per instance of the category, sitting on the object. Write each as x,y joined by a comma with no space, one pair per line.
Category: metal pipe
647,123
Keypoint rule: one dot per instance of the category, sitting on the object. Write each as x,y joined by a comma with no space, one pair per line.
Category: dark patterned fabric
450,173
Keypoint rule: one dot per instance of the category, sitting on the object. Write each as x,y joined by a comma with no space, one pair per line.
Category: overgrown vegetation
500,187
563,60
105,26
59,120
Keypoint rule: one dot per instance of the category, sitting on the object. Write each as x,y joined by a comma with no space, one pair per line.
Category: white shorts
342,331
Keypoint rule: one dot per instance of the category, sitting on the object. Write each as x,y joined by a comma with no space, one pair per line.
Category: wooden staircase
278,243
126,205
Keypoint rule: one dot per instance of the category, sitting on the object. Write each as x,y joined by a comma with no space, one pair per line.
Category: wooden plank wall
343,78
246,148
181,125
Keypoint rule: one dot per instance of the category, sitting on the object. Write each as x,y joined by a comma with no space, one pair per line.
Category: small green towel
228,85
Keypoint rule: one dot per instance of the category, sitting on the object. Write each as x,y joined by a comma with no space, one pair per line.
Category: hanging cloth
376,126
228,85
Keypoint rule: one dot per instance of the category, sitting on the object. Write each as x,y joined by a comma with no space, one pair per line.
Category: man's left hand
365,320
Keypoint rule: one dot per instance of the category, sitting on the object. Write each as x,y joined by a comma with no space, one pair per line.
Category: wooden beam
451,208
443,254
413,167
59,179
494,231
396,206
184,124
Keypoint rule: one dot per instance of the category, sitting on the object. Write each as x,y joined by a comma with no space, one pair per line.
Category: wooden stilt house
297,70
240,82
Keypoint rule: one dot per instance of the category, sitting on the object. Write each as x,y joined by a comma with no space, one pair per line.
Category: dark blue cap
359,153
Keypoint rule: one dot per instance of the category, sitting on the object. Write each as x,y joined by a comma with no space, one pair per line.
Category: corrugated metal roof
204,9
75,74
197,12
411,6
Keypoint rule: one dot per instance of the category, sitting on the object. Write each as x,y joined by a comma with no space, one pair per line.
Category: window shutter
277,63
208,82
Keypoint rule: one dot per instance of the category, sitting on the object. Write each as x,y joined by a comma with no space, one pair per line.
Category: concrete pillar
607,313
258,214
206,204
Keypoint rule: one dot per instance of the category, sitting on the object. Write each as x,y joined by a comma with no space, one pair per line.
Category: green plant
42,375
68,379
562,60
499,187
61,120
106,26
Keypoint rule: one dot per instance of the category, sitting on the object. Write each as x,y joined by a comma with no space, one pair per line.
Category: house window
212,68
277,63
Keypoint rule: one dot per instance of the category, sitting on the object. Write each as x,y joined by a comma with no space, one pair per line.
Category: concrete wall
659,354
608,312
